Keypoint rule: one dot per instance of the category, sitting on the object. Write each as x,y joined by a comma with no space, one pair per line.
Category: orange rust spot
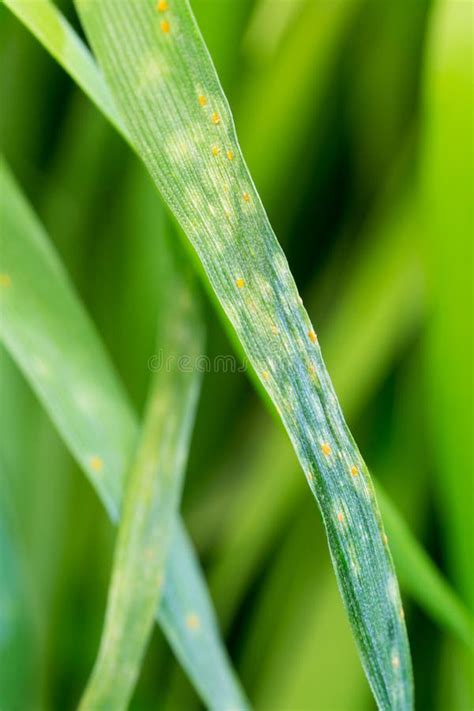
202,101
165,26
161,5
230,155
215,150
246,197
96,463
312,336
240,283
193,622
215,118
340,517
326,449
354,471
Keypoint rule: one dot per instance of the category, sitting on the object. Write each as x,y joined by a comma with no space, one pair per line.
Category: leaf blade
152,495
155,62
97,423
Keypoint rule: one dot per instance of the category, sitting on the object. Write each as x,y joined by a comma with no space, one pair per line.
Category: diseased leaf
55,344
166,88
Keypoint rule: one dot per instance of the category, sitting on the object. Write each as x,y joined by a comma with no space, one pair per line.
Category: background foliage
354,117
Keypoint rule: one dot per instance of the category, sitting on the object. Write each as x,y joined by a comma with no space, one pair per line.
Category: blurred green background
356,119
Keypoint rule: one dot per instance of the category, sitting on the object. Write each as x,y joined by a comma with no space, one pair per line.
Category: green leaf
447,181
49,26
383,285
152,496
277,103
164,84
55,344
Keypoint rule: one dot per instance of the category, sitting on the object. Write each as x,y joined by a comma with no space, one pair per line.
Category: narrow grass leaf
447,186
396,282
165,85
50,27
151,498
52,340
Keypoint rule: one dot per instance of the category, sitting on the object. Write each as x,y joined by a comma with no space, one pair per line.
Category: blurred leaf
151,498
447,172
55,345
448,180
266,29
421,578
154,57
45,21
283,104
301,573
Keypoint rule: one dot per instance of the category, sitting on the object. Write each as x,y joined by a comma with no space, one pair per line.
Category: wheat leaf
165,85
54,343
151,497
419,573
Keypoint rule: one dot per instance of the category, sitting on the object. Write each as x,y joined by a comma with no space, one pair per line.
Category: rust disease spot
240,283
202,101
326,449
96,464
312,336
215,150
165,26
230,155
161,5
246,197
266,375
215,118
340,517
193,622
354,471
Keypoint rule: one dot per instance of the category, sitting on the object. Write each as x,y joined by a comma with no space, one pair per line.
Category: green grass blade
385,283
296,82
164,84
151,498
447,187
55,344
51,28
